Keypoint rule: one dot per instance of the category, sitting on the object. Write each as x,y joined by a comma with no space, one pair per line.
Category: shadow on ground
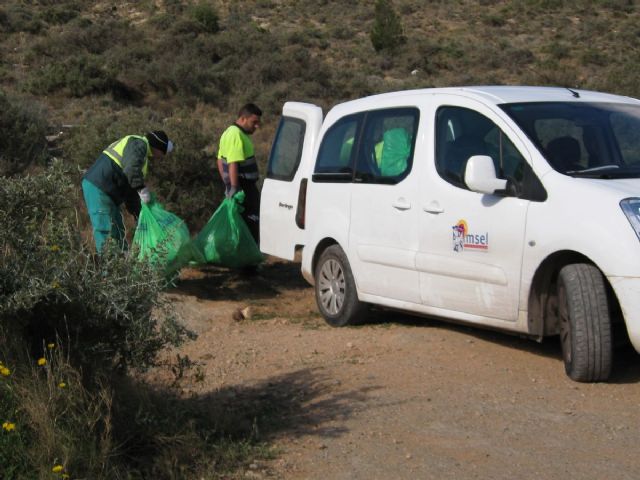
302,402
231,426
626,361
219,283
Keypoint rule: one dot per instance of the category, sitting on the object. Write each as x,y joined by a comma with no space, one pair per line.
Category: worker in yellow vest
237,164
117,177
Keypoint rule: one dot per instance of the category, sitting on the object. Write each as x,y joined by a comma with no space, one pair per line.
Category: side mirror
480,175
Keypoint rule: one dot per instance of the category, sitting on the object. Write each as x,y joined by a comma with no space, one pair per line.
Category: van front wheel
335,287
585,323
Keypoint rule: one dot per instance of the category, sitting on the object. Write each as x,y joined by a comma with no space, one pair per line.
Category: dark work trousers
251,214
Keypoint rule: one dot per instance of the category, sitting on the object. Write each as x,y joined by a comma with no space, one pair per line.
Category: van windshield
595,140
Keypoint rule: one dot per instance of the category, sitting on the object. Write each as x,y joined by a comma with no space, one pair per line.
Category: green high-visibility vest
115,151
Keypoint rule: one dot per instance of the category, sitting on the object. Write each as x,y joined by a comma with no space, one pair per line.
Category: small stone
408,456
349,345
247,312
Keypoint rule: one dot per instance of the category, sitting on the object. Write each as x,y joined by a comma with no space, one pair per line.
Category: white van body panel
399,239
627,289
279,199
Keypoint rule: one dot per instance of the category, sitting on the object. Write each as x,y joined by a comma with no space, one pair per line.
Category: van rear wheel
335,288
585,323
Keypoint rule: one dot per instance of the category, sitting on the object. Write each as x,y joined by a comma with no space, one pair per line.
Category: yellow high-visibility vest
115,151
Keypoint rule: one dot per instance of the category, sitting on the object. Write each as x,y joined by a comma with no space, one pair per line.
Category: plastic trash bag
395,152
225,239
163,238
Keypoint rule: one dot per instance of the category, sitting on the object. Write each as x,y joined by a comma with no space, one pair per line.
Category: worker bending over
118,176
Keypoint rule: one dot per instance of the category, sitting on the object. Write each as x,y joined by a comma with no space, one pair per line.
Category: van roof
507,94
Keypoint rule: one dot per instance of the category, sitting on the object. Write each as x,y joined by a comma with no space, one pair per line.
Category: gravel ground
399,397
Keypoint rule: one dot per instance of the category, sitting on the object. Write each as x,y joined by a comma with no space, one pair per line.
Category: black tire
585,323
335,288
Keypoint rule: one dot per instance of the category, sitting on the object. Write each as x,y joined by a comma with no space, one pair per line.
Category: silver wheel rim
331,286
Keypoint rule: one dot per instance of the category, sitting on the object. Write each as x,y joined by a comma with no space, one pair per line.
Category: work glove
230,191
145,195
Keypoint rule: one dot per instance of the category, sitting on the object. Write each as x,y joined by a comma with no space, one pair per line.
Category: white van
514,208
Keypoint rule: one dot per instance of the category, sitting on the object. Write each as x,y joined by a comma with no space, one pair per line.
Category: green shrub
82,35
23,140
4,20
48,406
19,18
60,14
187,180
494,20
122,429
206,16
14,438
594,56
557,50
76,76
387,28
70,327
52,286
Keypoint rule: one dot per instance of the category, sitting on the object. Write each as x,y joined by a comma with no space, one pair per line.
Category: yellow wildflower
62,385
65,476
8,426
42,361
55,285
4,371
54,248
51,346
57,469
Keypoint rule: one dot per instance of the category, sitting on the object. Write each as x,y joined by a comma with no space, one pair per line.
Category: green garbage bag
163,238
188,255
225,239
395,152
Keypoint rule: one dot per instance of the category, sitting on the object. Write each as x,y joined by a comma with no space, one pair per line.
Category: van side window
287,149
386,148
462,133
337,148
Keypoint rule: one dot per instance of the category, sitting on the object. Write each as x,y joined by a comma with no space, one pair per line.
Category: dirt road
400,397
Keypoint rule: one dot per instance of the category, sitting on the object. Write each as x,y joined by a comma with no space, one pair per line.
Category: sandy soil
400,397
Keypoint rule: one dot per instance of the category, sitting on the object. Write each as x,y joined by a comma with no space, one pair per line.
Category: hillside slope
108,69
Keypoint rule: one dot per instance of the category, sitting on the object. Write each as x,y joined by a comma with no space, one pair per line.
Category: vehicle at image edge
513,208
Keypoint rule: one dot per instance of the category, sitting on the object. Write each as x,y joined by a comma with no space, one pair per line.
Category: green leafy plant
52,285
387,28
23,141
207,16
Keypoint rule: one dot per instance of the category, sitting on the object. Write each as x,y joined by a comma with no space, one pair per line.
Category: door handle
433,207
401,204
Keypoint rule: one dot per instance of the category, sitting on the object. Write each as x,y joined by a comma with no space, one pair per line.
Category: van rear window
287,149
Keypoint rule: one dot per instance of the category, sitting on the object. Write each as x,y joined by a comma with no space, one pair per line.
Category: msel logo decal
463,239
